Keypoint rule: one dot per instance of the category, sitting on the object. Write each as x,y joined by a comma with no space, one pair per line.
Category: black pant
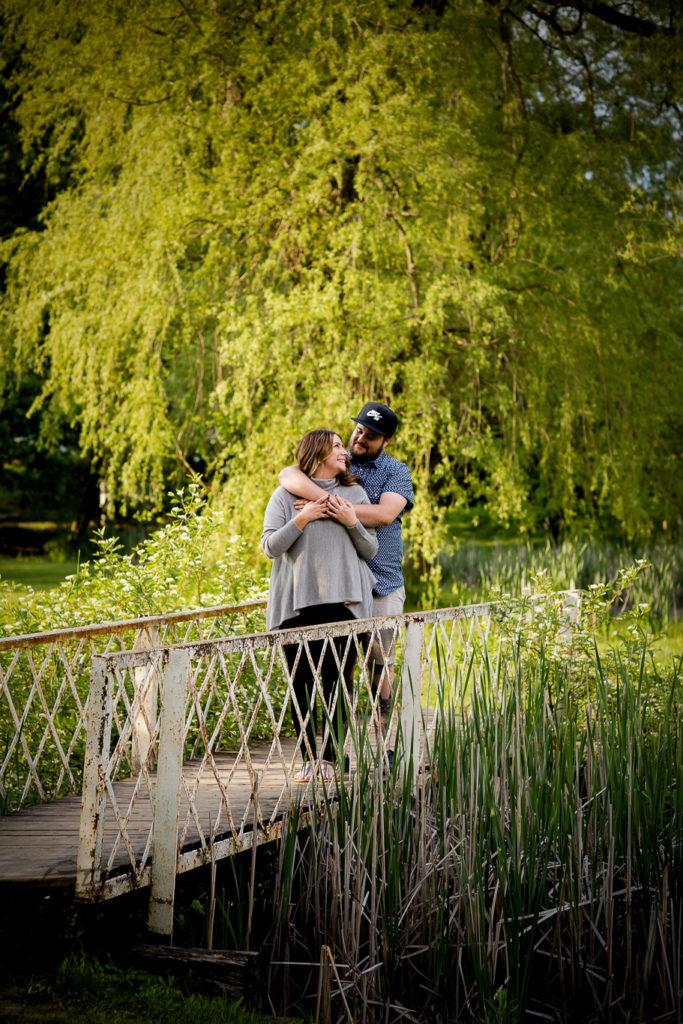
303,679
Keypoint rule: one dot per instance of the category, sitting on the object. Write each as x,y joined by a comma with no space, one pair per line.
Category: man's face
365,444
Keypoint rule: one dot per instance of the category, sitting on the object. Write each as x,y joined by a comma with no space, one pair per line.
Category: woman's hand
312,510
341,510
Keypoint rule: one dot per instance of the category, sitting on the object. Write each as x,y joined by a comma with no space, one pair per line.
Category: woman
319,575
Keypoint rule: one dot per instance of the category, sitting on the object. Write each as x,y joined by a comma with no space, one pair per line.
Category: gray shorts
383,648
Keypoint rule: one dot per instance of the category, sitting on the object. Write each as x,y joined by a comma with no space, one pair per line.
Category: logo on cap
379,418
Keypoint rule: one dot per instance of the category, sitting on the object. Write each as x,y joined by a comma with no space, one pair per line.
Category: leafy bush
191,561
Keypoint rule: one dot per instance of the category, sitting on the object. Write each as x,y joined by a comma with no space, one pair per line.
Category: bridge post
97,743
146,697
411,693
166,798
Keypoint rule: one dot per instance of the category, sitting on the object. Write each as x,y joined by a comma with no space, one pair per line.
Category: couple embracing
333,530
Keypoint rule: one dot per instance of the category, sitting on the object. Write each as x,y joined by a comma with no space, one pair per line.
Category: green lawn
39,573
85,990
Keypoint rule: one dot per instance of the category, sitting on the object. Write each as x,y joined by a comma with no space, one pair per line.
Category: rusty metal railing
44,685
189,741
204,796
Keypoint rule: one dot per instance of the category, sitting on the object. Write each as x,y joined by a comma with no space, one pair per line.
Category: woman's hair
316,446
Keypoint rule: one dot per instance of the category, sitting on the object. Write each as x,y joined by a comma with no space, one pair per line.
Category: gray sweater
322,564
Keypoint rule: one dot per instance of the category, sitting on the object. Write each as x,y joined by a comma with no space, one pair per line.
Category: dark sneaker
384,712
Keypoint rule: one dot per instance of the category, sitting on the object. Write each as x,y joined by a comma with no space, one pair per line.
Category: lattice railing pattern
187,742
240,733
44,685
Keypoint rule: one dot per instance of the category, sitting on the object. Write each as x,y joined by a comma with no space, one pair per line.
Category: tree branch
609,13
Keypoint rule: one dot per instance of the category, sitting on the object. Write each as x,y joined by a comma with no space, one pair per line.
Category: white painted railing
44,685
191,747
231,794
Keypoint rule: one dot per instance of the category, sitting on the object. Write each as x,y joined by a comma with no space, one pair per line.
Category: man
389,487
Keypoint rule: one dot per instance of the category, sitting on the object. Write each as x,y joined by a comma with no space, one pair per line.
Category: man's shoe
384,704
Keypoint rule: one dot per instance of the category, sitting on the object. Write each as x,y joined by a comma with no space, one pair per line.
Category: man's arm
389,507
296,482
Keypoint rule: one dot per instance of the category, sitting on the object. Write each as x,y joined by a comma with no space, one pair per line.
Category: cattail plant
535,869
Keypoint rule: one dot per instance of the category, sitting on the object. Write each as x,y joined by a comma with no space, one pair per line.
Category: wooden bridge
135,751
39,844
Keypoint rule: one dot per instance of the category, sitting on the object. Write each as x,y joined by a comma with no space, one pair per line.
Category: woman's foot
323,770
306,773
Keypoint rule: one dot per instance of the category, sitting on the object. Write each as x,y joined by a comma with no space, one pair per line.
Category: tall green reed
535,867
475,572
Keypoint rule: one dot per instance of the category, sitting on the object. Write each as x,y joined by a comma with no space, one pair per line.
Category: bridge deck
39,845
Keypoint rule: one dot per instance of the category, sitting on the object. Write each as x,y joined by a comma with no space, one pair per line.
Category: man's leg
383,651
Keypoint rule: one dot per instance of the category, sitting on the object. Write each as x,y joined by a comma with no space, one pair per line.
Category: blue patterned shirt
379,475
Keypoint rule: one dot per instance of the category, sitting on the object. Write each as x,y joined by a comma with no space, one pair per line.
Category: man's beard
361,458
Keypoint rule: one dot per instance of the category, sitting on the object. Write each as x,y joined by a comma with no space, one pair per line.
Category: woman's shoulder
281,496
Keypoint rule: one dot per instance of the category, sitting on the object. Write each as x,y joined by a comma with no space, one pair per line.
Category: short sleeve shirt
378,476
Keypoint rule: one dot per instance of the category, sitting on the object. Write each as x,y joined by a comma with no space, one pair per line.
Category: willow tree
261,214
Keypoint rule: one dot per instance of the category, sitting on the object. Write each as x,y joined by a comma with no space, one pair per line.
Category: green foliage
89,989
191,561
545,832
262,215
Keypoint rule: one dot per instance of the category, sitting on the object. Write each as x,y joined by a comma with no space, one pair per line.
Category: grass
479,571
39,573
86,990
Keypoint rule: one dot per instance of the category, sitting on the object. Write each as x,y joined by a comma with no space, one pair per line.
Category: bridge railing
225,737
44,688
188,742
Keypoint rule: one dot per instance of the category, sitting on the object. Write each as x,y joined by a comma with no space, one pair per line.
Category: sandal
306,773
323,770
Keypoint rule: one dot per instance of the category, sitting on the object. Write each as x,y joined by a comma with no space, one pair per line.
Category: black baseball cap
378,418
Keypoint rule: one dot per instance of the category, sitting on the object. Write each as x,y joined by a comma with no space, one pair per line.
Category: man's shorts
383,648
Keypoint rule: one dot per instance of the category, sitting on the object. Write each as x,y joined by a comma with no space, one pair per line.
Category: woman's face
335,460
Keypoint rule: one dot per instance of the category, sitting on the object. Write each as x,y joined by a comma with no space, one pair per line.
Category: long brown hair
315,446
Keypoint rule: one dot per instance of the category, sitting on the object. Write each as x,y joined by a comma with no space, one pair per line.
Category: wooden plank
231,972
39,844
